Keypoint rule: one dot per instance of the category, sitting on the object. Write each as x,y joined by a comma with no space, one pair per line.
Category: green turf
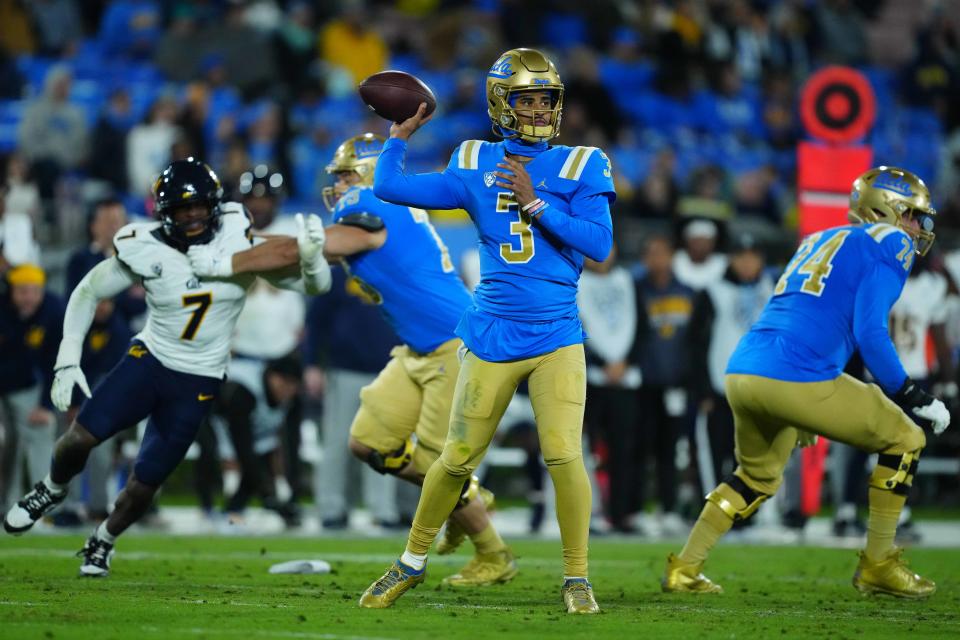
165,587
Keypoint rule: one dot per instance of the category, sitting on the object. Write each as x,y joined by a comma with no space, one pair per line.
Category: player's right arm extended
105,280
425,190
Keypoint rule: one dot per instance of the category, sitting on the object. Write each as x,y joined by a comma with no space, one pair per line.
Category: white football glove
935,414
208,262
310,239
62,390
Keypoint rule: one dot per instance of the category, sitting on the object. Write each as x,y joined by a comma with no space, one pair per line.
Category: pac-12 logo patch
193,283
157,269
489,178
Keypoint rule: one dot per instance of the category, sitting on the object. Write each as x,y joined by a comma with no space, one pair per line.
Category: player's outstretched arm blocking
105,280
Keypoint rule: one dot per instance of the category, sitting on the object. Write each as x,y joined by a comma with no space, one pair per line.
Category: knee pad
471,489
750,497
895,471
394,461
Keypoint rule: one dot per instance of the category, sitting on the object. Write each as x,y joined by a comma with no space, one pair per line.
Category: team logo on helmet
501,68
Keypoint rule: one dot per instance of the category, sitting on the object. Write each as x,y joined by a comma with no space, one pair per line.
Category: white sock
105,535
413,560
53,486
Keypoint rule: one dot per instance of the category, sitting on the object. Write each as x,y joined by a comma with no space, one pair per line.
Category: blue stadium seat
11,112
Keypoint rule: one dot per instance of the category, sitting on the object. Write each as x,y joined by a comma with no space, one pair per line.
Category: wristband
531,204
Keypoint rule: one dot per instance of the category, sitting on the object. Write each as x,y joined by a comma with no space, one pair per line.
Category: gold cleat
485,569
395,582
891,577
453,534
682,577
578,596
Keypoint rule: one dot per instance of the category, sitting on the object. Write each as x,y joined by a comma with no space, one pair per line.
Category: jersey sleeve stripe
881,231
469,156
576,162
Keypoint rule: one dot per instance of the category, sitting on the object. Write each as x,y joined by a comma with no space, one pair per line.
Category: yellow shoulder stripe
469,155
881,230
576,162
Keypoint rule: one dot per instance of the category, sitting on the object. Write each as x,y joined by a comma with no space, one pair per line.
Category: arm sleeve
105,280
588,228
426,190
877,293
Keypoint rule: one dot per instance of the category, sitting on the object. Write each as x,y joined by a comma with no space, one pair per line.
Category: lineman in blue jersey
395,257
538,210
785,381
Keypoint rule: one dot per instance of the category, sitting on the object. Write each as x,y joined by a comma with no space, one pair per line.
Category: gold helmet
890,194
516,71
360,154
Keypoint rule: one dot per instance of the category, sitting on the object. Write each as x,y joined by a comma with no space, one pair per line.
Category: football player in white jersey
174,367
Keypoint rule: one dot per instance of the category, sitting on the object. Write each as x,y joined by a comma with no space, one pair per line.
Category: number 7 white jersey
190,320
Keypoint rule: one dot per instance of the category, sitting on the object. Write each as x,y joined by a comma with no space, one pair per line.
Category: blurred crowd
694,100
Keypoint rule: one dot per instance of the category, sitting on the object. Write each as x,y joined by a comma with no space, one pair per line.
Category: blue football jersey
525,304
834,297
411,275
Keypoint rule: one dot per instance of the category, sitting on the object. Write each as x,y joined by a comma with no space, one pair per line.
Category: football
396,95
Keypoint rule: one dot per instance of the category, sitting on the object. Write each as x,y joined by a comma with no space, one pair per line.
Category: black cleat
96,554
39,502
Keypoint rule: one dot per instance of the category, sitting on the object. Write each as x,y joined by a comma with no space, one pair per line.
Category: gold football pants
412,395
768,412
557,383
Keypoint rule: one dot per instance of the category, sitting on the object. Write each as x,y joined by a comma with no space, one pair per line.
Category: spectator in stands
667,305
841,32
130,28
583,86
108,154
658,193
756,195
22,195
698,263
149,144
17,245
723,312
58,25
53,135
106,218
272,320
350,42
16,30
254,403
295,45
609,309
31,323
11,82
348,337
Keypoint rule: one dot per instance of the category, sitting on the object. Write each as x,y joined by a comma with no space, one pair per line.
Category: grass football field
199,587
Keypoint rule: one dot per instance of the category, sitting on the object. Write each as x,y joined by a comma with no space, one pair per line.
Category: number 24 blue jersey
834,297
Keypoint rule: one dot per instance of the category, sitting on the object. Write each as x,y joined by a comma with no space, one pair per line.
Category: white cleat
36,504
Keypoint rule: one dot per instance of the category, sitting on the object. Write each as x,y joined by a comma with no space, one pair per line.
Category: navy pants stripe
139,386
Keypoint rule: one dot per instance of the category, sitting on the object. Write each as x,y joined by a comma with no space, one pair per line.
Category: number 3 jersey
834,297
190,321
525,304
410,275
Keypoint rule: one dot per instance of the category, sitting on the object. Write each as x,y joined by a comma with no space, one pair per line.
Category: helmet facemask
510,121
181,233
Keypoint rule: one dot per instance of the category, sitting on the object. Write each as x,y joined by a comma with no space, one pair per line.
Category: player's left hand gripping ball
208,262
310,238
62,390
